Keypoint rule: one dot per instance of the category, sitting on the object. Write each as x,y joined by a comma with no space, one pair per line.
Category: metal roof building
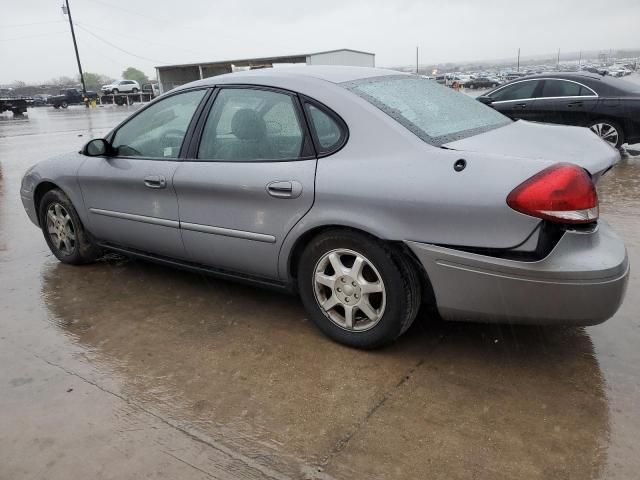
171,76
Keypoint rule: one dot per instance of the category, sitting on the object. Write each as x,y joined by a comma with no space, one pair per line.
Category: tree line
93,81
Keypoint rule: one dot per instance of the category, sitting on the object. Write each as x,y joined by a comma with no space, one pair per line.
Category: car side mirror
485,99
97,147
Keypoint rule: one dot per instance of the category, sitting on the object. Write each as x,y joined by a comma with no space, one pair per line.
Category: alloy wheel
61,229
349,290
607,132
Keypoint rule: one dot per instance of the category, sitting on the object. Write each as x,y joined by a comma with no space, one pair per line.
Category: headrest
247,125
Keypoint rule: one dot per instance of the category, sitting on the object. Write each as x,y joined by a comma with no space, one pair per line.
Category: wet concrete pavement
124,369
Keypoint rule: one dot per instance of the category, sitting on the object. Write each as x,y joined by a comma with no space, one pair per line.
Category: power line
137,37
119,48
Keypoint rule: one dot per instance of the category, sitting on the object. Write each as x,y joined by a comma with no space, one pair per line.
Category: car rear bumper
581,282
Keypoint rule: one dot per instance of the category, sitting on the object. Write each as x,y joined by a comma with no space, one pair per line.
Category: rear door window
247,125
560,88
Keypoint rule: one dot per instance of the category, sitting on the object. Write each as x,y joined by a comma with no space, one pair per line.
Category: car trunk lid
556,143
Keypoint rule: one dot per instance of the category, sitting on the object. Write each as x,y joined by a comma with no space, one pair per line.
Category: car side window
247,125
587,92
158,131
328,132
560,88
517,91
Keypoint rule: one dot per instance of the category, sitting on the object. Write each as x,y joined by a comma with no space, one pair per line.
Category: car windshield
434,113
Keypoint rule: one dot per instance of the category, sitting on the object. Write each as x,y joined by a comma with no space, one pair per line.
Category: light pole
66,10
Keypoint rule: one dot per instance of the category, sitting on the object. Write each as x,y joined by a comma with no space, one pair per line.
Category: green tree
135,74
94,81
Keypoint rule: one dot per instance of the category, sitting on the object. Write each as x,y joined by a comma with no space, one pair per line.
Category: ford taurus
367,191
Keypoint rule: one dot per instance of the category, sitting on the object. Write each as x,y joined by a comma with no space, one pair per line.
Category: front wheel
608,131
63,230
135,90
64,104
357,290
115,91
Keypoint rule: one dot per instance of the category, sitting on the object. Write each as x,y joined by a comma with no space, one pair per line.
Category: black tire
56,107
115,91
135,90
81,250
64,104
401,284
621,138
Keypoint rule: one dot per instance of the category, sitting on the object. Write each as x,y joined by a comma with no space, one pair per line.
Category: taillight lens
563,193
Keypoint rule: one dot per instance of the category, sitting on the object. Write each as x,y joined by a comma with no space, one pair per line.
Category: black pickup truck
70,96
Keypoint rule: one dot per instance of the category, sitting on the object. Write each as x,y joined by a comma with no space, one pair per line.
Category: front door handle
155,181
284,189
520,105
575,104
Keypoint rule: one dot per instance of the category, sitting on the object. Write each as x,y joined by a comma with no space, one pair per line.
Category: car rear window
434,113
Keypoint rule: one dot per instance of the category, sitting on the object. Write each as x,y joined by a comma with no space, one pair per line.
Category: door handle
284,189
155,181
520,105
575,104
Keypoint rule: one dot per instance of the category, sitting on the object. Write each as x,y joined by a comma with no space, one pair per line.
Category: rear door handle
575,104
284,189
155,181
521,105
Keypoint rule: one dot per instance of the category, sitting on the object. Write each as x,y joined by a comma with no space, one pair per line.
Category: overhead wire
117,47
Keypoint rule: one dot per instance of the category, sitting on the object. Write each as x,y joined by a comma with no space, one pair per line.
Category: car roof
567,75
290,76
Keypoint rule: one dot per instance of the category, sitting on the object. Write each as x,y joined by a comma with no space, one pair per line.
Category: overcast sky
35,42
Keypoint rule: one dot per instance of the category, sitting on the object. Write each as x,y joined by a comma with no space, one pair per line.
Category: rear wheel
64,104
357,290
608,131
64,231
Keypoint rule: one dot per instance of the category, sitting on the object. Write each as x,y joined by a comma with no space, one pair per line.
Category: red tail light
562,193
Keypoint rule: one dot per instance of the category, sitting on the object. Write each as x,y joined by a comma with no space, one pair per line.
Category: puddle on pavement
245,367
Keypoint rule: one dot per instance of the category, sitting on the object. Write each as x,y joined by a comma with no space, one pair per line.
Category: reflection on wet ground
124,369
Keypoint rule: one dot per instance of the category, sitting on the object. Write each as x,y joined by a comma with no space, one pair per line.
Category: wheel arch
398,246
39,192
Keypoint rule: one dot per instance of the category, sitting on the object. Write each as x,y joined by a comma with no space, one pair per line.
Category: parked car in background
481,82
70,96
610,107
121,86
151,88
41,99
357,188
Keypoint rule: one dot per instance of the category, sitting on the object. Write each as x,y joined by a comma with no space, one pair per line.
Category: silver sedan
367,191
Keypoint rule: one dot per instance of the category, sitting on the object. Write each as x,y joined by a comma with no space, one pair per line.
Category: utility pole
416,60
67,10
580,58
558,64
518,69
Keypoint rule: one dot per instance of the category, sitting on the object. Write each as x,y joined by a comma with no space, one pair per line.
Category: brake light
562,193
